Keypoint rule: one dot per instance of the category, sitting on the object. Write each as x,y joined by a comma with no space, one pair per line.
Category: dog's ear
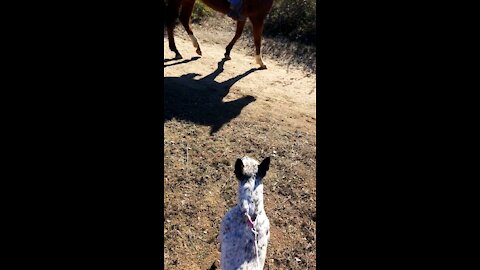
239,168
263,167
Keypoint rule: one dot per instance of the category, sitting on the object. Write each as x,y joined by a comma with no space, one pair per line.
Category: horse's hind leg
257,37
238,33
185,15
172,14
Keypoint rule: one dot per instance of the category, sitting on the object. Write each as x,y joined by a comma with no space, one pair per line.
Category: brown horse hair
255,10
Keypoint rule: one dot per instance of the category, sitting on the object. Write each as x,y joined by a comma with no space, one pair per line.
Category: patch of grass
200,12
290,52
294,20
201,190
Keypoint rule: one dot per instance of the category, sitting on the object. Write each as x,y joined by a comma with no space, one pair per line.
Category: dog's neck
250,197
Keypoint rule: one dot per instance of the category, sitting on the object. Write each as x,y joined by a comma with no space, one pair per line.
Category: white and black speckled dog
241,223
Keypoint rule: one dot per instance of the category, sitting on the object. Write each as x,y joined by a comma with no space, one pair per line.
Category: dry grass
200,188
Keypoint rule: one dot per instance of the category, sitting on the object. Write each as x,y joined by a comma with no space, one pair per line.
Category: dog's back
238,241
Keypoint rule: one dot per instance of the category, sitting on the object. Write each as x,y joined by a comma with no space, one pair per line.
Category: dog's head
250,175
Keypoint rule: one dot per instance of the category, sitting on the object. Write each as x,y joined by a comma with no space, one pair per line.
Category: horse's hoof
262,67
199,52
227,57
178,56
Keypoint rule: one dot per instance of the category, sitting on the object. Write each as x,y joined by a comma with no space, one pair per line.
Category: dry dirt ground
216,112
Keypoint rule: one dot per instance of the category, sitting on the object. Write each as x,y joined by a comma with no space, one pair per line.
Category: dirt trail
216,112
283,93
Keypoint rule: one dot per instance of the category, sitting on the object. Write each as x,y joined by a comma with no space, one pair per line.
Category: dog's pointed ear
239,168
263,167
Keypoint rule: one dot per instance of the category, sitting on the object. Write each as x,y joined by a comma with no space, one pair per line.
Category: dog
245,229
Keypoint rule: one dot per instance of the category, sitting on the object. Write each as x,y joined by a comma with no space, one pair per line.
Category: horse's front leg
171,44
238,33
185,16
172,14
257,24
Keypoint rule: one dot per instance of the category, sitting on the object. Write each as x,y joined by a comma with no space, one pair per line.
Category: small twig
187,158
288,198
226,182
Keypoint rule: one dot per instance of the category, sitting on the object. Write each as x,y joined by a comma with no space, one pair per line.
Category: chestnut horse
255,10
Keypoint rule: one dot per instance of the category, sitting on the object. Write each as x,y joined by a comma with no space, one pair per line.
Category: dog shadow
200,101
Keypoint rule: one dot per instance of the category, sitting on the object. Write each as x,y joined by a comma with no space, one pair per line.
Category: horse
255,10
245,229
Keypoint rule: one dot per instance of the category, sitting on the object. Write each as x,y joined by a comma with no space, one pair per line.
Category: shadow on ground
178,63
200,101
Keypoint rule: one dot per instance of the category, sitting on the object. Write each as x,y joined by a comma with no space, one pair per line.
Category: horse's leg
238,33
172,14
185,15
257,24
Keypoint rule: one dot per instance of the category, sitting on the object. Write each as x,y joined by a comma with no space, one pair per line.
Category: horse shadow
200,101
178,63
